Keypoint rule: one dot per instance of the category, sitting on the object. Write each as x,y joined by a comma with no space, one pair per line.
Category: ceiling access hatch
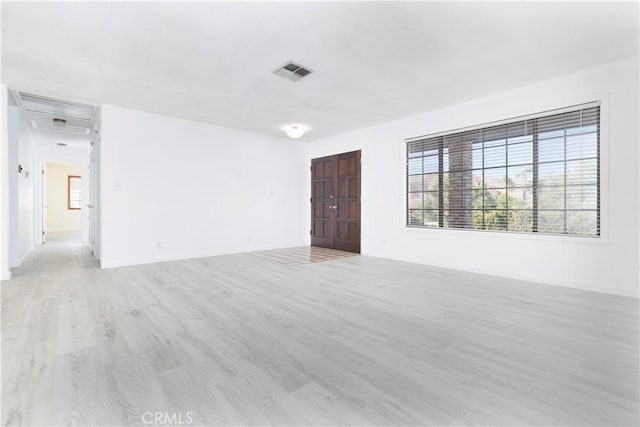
293,71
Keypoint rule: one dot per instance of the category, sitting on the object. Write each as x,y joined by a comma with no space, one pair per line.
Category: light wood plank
249,340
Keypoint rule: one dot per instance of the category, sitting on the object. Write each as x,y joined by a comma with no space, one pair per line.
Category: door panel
322,200
335,210
44,203
348,202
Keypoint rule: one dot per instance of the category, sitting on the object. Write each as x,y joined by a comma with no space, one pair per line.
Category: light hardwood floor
245,340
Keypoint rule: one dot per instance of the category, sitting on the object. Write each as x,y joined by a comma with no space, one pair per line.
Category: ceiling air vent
293,71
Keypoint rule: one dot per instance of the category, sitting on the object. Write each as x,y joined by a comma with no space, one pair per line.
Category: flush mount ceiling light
295,131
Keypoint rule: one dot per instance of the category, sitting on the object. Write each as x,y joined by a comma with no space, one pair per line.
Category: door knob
333,207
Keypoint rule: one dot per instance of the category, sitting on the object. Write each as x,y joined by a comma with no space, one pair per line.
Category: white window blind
534,175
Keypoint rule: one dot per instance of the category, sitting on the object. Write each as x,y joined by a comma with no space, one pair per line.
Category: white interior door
44,203
92,199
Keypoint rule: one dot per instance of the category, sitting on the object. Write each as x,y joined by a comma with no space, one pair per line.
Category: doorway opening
62,195
52,179
335,202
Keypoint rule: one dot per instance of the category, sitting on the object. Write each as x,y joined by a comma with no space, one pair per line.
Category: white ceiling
372,62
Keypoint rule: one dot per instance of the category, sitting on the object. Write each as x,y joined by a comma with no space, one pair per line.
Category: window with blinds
539,175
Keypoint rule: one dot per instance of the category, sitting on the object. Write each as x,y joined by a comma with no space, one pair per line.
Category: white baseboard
25,255
18,263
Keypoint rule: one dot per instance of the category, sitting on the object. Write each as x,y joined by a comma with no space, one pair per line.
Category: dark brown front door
335,202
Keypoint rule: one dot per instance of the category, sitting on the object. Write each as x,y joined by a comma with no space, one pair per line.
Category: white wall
21,192
5,273
25,192
173,188
13,122
608,264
